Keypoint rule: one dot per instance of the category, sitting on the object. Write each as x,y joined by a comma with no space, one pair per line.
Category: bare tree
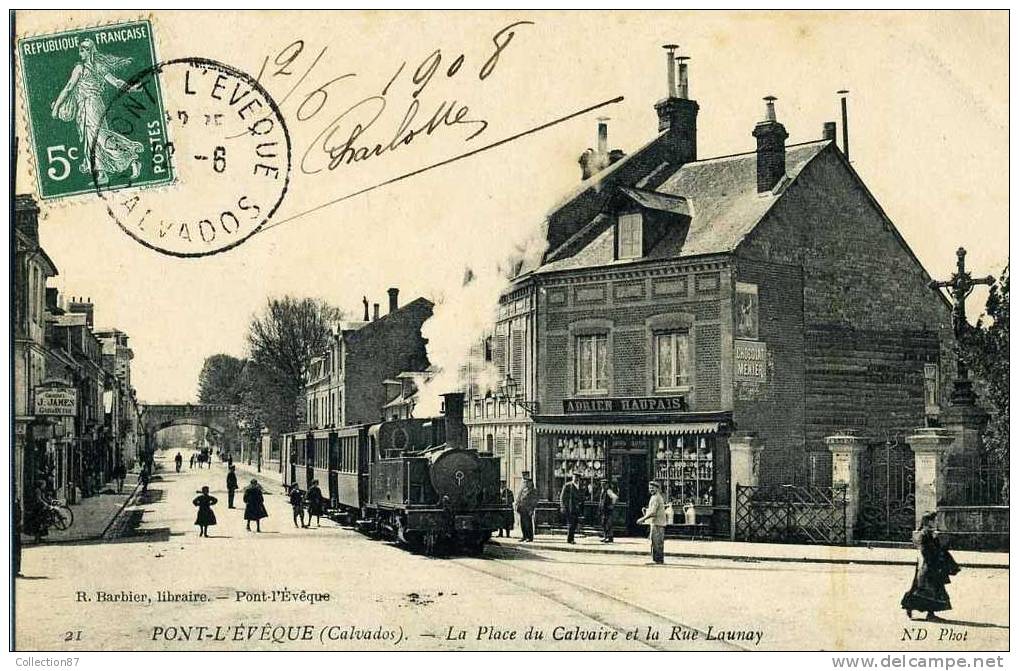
288,333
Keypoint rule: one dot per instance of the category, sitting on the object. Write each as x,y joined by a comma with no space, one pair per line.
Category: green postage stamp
70,79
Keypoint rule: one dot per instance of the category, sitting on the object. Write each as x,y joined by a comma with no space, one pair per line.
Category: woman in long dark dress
934,565
206,518
254,506
316,503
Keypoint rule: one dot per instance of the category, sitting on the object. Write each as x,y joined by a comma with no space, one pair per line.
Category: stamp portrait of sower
81,102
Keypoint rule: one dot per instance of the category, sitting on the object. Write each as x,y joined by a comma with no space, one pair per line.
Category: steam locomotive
412,479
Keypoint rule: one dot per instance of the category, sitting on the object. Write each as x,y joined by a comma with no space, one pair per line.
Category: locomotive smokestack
456,431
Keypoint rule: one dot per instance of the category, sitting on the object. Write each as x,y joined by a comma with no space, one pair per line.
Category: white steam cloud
464,315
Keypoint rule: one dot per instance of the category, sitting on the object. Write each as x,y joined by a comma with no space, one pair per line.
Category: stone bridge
221,418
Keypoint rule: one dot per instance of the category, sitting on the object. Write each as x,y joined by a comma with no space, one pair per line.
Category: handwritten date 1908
345,139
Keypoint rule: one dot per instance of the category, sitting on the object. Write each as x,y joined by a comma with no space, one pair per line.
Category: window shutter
500,355
517,354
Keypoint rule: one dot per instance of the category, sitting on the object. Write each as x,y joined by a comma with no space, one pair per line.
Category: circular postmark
224,140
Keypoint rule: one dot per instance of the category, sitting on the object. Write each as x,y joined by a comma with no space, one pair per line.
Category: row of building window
671,350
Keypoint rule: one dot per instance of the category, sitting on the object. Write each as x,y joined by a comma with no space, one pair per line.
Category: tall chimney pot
375,311
670,68
684,82
364,299
603,136
845,123
393,295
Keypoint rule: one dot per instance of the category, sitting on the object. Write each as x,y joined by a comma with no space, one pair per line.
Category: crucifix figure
960,287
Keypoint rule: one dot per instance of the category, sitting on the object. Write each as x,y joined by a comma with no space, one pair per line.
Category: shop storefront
687,453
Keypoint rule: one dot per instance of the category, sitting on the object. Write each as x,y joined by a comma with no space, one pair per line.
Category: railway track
608,610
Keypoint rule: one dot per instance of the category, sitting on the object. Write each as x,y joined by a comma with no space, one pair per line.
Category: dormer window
630,236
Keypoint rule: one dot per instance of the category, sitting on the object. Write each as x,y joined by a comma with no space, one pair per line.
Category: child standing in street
206,518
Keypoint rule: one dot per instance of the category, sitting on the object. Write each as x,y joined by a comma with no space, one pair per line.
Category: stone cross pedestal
930,449
846,448
744,468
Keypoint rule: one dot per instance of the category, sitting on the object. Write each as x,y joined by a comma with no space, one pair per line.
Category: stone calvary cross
960,287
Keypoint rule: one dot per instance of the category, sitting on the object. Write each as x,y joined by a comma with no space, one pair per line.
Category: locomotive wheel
475,545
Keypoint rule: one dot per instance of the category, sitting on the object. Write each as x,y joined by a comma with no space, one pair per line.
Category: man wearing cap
655,515
527,502
571,503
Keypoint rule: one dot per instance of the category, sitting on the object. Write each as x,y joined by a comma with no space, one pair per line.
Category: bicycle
59,515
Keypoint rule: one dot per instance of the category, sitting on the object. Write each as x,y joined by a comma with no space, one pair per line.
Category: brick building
683,302
345,382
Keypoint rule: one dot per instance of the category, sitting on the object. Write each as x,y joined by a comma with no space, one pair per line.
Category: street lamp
510,388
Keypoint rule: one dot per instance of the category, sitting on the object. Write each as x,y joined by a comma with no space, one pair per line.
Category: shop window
672,364
685,466
630,236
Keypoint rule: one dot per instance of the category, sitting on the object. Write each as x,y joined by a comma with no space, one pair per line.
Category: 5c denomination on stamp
230,154
69,79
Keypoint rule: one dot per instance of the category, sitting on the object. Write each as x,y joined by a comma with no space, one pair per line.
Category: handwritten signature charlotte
346,138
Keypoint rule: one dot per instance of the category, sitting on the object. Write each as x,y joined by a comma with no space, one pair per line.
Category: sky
928,127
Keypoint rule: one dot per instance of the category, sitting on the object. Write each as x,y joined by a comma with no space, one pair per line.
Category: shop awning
632,429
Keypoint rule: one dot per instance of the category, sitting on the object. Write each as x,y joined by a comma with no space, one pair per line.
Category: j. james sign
56,402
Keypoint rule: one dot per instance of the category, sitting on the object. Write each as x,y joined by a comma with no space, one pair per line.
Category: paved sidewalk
92,515
754,552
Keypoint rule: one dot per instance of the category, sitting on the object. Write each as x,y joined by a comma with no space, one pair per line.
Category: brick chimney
394,294
677,114
375,311
828,131
771,136
82,307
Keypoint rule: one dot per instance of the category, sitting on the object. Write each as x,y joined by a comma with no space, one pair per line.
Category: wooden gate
887,510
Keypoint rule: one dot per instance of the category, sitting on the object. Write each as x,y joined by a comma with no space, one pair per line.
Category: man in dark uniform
231,486
527,502
571,503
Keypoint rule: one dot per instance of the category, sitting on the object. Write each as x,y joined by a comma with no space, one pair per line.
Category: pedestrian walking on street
297,505
119,473
254,506
316,503
191,463
527,502
571,504
206,518
178,461
934,565
655,515
231,487
606,506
